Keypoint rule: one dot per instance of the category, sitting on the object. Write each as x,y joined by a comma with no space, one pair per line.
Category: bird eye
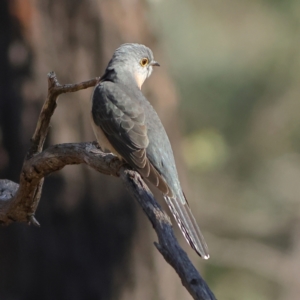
144,62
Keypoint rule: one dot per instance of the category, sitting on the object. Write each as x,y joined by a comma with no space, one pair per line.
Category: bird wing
123,122
160,154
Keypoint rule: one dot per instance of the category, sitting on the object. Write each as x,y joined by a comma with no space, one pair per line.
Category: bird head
135,60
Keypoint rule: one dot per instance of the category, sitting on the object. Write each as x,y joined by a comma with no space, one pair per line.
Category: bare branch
54,90
23,203
168,245
19,202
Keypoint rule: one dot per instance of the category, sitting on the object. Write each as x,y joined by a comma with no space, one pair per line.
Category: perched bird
126,124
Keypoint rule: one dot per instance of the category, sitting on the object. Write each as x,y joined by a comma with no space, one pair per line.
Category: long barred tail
188,225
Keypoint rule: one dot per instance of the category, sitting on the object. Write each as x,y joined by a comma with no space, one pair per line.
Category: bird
125,123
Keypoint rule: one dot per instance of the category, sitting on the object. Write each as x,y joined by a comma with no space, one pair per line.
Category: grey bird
126,124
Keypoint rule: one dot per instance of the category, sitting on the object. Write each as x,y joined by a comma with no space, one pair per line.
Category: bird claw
34,221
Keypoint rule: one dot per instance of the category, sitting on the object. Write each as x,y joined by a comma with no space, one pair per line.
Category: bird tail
188,225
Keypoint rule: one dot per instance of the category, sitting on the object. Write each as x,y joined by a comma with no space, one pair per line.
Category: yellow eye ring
144,62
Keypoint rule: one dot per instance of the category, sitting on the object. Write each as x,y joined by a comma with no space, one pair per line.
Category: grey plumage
124,117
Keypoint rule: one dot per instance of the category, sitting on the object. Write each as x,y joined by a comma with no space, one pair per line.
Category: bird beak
155,63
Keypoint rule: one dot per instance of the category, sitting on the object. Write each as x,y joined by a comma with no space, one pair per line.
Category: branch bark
18,203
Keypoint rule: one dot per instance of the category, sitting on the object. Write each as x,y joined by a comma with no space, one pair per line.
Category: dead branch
18,203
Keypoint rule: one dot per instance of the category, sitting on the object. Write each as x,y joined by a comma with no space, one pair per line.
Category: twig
54,90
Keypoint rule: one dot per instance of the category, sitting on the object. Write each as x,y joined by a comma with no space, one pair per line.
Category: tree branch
167,243
18,203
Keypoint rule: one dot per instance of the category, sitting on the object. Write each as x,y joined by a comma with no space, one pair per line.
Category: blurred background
227,92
